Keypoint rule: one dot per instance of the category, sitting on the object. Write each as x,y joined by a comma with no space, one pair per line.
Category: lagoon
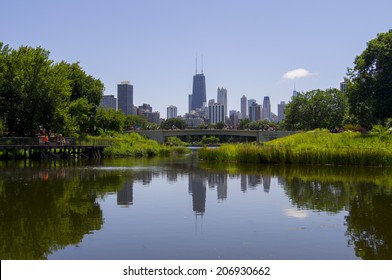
181,208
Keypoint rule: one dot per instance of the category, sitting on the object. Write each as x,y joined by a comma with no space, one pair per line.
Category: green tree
80,110
135,122
173,123
31,89
370,82
220,125
244,124
110,120
316,109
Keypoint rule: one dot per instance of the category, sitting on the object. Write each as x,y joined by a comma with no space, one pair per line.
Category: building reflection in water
125,195
266,183
197,187
220,181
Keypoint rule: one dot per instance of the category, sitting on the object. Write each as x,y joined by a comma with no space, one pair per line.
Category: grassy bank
133,145
349,148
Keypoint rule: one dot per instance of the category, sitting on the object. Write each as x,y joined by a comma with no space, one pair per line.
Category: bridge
34,148
257,135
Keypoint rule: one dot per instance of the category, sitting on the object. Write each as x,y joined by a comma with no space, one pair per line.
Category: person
46,140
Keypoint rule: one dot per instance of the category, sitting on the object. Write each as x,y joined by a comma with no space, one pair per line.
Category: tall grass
349,148
134,145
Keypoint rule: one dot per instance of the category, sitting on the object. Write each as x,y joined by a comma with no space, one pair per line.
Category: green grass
316,147
134,145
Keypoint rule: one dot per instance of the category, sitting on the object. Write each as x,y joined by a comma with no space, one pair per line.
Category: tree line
38,94
367,102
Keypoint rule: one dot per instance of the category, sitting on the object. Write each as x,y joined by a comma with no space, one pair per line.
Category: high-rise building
190,103
125,97
266,108
222,98
254,112
250,102
244,106
109,102
171,112
281,108
198,90
234,118
216,113
343,86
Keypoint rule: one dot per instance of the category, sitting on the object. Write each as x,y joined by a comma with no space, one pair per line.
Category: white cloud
299,214
296,74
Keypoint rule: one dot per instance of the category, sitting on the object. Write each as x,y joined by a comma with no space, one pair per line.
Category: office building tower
171,112
109,102
234,118
281,108
222,98
343,87
244,106
125,97
254,112
189,103
216,113
198,90
152,117
250,102
266,108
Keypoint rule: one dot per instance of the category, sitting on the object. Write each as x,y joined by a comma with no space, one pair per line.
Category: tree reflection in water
44,208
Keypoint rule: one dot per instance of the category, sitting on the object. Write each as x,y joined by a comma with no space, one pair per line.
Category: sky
254,48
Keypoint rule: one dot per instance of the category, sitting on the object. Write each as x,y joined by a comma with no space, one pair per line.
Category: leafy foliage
36,92
173,123
370,82
316,109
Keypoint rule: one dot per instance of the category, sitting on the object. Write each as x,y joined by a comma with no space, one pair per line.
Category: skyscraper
125,97
216,113
343,86
281,108
222,98
266,108
171,112
254,112
198,90
109,102
244,111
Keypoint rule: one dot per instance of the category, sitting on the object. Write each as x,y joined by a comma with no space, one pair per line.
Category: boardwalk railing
34,147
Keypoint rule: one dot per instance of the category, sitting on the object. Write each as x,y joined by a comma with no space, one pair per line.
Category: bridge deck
52,151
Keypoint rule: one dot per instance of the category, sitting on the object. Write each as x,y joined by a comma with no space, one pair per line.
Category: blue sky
247,46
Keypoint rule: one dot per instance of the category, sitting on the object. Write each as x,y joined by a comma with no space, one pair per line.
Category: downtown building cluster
200,112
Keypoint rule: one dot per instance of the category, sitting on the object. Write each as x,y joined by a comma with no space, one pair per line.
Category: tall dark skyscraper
199,90
125,97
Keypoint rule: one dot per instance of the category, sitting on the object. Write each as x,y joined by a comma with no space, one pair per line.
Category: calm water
183,209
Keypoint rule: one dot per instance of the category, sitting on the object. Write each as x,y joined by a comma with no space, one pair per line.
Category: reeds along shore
319,148
134,145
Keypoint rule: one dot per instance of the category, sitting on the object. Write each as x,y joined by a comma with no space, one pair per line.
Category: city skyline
258,49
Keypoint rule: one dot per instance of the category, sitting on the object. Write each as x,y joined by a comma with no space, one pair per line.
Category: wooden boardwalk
51,151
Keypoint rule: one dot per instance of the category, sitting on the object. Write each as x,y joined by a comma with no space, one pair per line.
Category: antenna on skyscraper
202,64
196,64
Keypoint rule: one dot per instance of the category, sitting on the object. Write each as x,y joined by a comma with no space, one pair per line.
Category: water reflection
48,206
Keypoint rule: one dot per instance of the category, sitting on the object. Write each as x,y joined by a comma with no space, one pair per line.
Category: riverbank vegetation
314,147
133,145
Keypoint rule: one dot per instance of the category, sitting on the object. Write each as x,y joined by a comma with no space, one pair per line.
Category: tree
173,123
316,109
135,122
31,89
109,119
370,82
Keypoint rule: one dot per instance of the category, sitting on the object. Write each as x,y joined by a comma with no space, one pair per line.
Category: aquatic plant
316,147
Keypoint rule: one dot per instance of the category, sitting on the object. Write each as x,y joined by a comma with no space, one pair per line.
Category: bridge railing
16,141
